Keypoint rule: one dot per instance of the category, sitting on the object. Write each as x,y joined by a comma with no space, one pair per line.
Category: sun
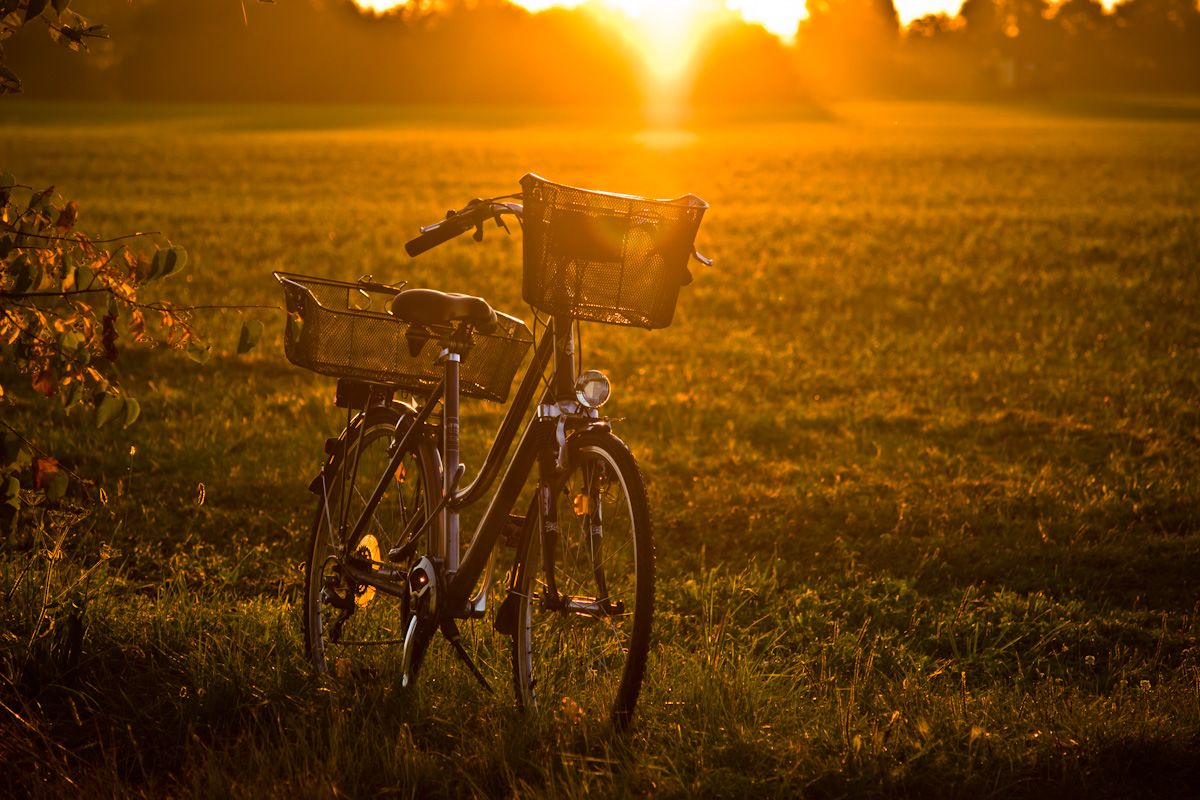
668,31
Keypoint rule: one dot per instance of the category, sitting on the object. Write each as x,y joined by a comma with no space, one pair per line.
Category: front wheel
585,593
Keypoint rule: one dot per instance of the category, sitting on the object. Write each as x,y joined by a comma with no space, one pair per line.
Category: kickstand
450,631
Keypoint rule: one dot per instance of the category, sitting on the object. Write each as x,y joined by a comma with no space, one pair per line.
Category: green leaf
25,271
40,201
34,8
156,265
7,181
10,491
198,353
173,260
166,262
84,277
295,327
13,452
69,341
73,395
61,5
132,409
57,486
108,409
251,331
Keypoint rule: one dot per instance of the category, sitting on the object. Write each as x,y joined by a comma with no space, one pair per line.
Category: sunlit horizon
670,33
780,17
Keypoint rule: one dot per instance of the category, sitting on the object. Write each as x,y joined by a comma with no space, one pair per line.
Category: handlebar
473,215
456,223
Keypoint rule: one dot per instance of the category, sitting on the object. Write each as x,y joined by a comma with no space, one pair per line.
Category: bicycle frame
547,425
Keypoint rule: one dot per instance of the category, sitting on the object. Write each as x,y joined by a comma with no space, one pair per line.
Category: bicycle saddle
431,307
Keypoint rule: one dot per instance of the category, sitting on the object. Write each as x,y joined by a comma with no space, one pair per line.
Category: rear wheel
586,596
351,628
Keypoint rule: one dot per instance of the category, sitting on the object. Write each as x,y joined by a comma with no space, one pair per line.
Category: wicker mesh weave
342,330
603,257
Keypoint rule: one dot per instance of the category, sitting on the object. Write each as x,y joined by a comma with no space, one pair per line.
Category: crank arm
385,579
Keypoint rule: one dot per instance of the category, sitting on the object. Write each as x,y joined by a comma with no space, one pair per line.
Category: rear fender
335,446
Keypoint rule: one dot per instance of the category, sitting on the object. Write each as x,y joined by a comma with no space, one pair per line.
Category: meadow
923,452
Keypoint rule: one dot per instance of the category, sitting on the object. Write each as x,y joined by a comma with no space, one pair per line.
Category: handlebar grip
427,241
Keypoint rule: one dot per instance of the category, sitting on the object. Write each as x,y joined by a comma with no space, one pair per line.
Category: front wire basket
603,257
344,330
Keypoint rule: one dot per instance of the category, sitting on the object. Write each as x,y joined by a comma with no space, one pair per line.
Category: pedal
512,530
407,663
507,615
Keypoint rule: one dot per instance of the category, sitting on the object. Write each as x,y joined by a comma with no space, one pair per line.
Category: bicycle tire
573,662
370,638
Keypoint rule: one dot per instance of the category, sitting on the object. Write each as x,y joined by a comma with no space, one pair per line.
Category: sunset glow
781,17
674,41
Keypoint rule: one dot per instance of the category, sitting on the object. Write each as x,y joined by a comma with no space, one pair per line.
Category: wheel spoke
350,628
587,651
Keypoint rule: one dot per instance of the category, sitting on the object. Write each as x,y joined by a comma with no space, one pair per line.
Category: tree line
1004,46
491,52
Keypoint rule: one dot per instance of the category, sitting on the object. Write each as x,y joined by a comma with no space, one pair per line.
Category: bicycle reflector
592,388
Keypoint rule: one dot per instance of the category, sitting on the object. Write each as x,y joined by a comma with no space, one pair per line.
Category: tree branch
157,307
20,295
24,330
77,237
39,451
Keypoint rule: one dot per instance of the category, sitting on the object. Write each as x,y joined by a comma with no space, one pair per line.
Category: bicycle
385,570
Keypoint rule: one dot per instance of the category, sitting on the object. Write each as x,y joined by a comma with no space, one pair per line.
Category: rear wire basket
344,330
603,257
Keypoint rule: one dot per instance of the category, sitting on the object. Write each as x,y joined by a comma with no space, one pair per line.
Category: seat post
452,362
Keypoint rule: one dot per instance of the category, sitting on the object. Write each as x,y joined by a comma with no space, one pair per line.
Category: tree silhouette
491,52
757,53
1160,42
849,46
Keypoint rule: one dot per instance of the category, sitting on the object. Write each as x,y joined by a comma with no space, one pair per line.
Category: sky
778,16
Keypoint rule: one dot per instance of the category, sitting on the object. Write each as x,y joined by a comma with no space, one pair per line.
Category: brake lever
473,209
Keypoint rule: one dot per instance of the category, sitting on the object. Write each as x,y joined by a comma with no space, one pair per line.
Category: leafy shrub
68,306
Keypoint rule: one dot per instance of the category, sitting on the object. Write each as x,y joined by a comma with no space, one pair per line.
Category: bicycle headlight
592,388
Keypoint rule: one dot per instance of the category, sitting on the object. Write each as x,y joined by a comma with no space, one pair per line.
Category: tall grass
922,451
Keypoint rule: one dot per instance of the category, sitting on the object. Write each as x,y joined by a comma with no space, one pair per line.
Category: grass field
923,451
